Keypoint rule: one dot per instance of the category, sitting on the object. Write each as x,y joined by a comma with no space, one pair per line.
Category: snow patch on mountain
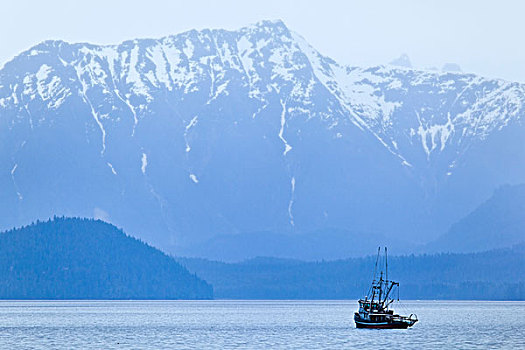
290,203
144,163
287,147
13,170
193,178
434,135
188,127
113,171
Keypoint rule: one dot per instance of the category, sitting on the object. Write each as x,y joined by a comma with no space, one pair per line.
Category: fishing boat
374,310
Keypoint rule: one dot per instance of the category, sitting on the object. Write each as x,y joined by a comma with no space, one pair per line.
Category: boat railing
411,318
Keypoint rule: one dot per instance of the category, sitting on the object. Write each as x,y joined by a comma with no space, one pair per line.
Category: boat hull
383,325
399,323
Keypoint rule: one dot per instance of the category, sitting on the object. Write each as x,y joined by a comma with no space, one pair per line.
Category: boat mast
386,265
380,287
372,290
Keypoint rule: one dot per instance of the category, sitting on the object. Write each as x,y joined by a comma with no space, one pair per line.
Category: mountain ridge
279,137
111,52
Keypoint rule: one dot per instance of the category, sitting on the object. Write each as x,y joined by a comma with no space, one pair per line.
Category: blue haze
203,151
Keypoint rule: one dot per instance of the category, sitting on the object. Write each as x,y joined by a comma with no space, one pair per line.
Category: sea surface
254,325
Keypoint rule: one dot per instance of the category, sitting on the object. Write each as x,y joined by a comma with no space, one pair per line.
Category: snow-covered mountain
219,132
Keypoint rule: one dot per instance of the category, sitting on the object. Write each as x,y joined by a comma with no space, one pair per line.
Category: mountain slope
498,222
87,259
217,132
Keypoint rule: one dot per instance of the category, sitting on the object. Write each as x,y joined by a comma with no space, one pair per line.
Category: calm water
253,325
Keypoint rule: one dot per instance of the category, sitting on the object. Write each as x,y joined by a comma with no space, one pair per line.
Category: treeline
493,275
68,258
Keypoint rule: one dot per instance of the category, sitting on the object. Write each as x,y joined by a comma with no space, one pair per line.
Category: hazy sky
485,37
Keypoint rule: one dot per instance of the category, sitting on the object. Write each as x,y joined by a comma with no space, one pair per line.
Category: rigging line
377,260
375,271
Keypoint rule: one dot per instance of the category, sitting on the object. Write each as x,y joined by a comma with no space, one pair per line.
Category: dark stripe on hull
394,325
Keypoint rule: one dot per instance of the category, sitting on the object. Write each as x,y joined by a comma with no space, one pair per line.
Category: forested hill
68,258
492,275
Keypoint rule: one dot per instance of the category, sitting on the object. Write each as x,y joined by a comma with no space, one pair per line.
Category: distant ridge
451,67
497,223
70,258
402,61
491,275
328,244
